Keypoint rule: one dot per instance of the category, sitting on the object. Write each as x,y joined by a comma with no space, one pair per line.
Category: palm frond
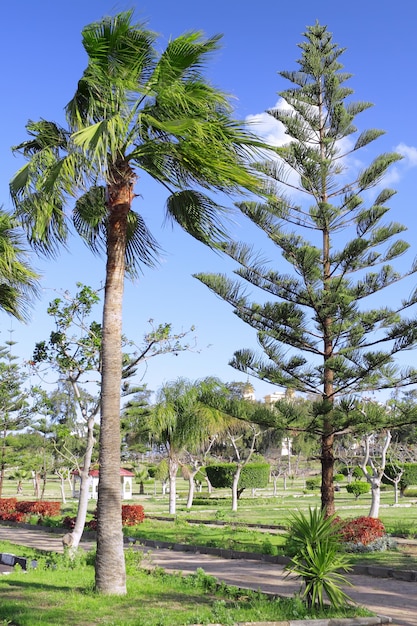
18,281
90,222
183,59
142,247
89,218
198,215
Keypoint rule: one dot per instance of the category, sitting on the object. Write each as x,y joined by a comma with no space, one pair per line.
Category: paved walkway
394,598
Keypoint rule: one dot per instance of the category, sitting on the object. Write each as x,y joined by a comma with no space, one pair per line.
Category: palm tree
180,421
18,282
133,110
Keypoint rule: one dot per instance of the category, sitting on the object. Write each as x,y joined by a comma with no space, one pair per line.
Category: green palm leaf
198,215
90,222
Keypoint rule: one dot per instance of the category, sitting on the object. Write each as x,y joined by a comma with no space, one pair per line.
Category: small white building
126,479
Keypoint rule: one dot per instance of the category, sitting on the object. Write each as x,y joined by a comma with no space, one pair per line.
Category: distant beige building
249,394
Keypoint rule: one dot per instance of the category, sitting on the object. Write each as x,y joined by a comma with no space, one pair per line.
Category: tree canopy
329,223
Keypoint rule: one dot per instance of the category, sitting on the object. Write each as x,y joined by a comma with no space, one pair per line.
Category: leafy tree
317,336
241,457
358,488
73,351
13,404
401,474
18,281
373,466
134,109
133,422
41,426
181,421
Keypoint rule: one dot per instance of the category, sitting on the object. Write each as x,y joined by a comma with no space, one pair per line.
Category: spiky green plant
313,539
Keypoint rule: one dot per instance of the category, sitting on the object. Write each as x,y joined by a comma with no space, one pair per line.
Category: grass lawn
252,540
264,508
53,594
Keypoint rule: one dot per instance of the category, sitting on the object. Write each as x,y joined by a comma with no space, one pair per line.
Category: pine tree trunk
327,470
327,439
110,565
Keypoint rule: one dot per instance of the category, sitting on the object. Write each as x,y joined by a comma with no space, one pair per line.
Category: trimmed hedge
358,488
253,475
313,483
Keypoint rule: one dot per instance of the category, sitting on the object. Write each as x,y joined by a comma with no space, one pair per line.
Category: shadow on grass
12,582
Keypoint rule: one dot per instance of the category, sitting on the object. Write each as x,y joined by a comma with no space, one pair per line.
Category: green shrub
313,483
408,478
358,488
338,478
358,472
267,547
253,475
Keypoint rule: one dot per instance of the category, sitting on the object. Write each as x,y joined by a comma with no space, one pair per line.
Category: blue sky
42,60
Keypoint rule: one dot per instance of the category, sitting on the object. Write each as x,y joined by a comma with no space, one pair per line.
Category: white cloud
266,126
409,153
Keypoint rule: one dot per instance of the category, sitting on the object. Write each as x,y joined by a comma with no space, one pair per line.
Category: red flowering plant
13,511
7,507
362,530
132,514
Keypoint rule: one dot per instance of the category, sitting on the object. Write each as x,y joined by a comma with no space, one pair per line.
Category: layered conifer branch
316,328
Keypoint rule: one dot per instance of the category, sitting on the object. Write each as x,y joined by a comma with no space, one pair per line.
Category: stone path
393,598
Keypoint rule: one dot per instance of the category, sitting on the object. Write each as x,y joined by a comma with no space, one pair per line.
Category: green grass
252,540
54,594
228,537
262,509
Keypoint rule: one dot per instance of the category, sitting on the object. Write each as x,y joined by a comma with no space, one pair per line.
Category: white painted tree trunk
376,497
62,489
191,487
172,469
374,478
71,540
234,487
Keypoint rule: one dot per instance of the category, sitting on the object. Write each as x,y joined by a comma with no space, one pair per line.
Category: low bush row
12,510
132,514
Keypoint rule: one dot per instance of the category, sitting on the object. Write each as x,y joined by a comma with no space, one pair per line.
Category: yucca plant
314,541
313,526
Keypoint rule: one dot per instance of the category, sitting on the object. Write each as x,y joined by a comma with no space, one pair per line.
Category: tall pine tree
316,335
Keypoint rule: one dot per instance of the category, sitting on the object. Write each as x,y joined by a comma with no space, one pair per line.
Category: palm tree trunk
110,565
